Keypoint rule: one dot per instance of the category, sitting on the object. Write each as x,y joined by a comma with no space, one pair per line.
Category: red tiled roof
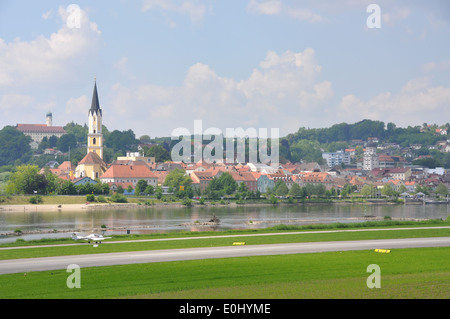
243,176
128,171
40,128
66,166
92,158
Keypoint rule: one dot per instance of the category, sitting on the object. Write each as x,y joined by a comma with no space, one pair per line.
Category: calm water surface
165,219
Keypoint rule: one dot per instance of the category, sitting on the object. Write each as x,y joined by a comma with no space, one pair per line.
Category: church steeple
95,136
95,105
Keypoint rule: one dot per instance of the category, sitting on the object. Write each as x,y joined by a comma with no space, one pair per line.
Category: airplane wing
89,238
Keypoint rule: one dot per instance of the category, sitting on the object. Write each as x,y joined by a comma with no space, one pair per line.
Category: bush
187,201
90,197
149,203
119,198
273,200
36,199
101,199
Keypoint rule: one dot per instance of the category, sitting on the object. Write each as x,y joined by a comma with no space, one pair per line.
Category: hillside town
368,167
128,170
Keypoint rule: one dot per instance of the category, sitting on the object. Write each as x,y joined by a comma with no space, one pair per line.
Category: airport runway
61,262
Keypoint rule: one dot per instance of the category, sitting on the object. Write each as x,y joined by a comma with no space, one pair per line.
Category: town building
201,179
91,166
370,159
337,158
264,182
136,156
38,131
129,174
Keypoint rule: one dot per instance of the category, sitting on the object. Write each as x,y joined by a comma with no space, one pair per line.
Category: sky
161,65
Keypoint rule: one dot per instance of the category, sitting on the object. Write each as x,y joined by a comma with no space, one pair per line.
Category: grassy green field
405,273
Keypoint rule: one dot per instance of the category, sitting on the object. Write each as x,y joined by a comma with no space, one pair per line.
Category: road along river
62,262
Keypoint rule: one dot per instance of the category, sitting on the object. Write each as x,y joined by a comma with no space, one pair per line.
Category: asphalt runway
92,260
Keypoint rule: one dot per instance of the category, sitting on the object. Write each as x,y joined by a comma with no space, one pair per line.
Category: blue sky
283,64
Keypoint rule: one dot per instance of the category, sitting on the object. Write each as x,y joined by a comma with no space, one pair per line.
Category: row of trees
28,180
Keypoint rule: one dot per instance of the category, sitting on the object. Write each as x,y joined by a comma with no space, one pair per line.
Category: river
35,225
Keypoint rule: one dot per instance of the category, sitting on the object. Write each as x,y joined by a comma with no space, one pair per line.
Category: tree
27,180
388,190
227,183
282,190
66,141
149,190
142,184
222,185
295,191
145,139
120,141
441,189
80,132
367,190
119,189
177,178
52,141
14,145
158,192
158,152
137,190
67,188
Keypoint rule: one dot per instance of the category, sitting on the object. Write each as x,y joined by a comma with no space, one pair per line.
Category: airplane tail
74,236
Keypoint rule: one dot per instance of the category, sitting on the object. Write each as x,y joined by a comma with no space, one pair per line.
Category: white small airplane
92,237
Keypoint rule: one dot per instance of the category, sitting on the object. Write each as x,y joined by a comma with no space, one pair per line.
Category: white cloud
47,15
45,65
415,103
436,66
122,67
276,7
281,93
14,101
395,15
195,10
48,60
77,105
267,7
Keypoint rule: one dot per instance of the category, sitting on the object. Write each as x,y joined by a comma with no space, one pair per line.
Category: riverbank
65,207
78,203
101,206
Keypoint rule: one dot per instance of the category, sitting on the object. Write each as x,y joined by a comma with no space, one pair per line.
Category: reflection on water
164,219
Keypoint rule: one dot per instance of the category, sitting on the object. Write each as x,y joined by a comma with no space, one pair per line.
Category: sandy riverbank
65,207
92,206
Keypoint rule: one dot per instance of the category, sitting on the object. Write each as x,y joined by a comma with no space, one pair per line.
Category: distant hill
308,143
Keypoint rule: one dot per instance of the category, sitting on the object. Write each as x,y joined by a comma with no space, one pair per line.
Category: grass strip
405,273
